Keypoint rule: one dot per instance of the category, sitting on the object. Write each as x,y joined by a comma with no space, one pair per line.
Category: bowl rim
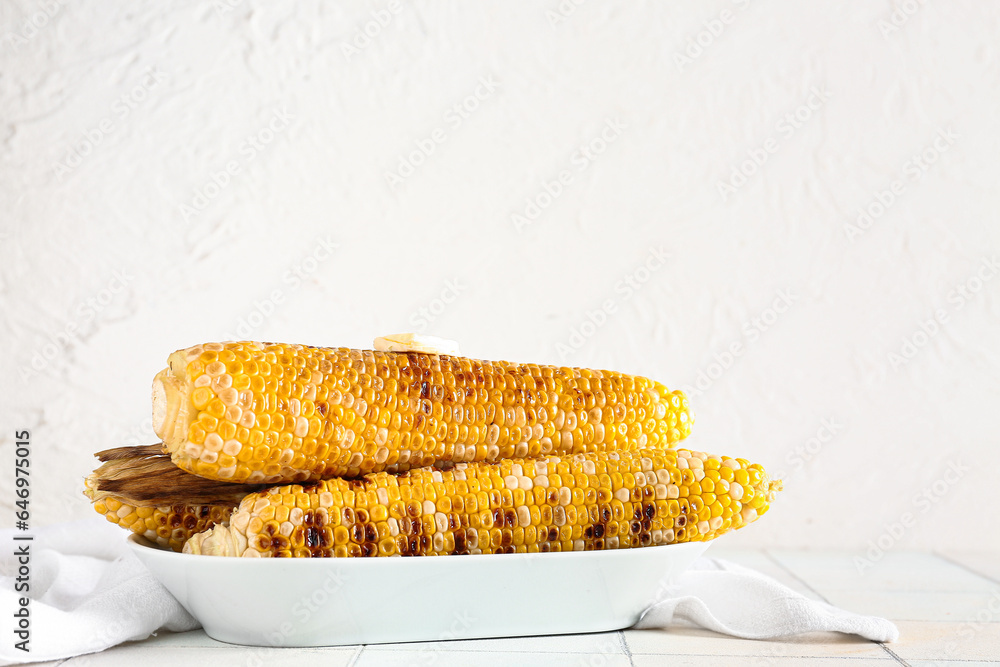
140,544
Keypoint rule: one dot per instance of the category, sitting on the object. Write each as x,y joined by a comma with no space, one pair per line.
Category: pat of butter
411,342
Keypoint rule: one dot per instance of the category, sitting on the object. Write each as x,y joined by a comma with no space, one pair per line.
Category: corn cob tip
218,541
171,402
89,486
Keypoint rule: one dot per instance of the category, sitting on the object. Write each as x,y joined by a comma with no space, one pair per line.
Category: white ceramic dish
329,602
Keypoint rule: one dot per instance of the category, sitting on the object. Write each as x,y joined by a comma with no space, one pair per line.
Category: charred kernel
167,526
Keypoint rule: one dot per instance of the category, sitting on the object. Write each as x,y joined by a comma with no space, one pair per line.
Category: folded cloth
89,592
734,600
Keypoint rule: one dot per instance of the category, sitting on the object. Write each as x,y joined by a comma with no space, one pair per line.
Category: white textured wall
124,237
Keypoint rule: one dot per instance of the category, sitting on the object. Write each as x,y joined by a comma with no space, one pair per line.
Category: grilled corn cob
167,525
603,500
252,412
139,489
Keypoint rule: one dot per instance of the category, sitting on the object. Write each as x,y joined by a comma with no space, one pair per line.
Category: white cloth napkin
733,600
89,592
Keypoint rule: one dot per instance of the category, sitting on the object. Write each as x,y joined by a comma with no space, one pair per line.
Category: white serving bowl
337,601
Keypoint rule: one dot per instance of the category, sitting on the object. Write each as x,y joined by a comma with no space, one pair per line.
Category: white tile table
947,607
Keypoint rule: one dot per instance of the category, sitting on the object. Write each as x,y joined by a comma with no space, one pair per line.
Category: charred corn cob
139,489
167,525
252,412
603,500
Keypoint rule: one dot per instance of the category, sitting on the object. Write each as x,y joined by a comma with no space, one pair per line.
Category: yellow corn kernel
437,513
167,526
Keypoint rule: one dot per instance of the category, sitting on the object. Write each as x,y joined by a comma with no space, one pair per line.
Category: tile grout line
949,559
824,598
763,657
541,652
356,656
223,647
628,651
893,654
